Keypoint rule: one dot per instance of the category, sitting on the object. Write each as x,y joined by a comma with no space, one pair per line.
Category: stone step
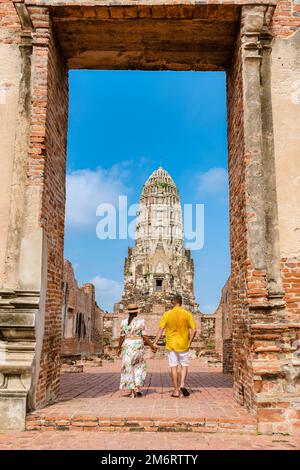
37,421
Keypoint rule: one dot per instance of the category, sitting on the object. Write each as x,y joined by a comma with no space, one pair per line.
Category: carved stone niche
18,310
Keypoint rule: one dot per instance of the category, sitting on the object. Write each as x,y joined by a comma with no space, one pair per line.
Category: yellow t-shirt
177,323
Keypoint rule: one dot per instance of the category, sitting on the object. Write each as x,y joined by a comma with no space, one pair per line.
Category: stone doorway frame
31,293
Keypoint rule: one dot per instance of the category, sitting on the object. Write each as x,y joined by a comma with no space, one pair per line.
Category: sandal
130,395
185,392
175,396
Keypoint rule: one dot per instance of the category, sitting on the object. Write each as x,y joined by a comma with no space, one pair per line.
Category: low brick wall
36,422
227,356
73,347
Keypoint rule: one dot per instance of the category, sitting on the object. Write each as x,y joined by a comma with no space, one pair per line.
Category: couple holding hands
180,330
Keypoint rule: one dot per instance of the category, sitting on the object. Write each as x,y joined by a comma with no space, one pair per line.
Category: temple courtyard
92,413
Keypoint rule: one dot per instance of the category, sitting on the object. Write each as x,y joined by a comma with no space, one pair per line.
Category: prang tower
158,266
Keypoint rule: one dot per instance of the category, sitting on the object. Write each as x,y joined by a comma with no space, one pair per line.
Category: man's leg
184,361
173,363
184,371
174,375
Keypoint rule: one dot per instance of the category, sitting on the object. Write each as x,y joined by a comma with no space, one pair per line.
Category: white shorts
178,358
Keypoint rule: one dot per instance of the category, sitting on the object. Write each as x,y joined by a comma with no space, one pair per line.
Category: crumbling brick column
47,170
20,285
265,368
31,282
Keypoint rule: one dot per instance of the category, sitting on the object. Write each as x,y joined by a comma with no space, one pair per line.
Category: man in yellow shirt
180,330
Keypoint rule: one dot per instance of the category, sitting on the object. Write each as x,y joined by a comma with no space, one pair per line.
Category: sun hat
132,308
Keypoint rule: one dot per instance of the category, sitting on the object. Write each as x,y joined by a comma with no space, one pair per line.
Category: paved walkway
92,400
79,440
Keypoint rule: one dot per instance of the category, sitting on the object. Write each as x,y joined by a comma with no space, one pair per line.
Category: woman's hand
154,348
121,341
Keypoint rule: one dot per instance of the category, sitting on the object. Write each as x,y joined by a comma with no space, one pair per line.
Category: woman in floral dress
131,344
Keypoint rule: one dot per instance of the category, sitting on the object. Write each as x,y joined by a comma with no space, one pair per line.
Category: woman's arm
149,343
121,341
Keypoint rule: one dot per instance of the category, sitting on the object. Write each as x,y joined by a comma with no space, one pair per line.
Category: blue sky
122,125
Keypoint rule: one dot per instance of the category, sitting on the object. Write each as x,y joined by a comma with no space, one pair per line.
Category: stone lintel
156,36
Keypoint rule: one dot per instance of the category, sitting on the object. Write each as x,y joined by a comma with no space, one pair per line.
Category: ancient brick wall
98,329
265,324
218,330
227,327
207,330
227,310
77,300
79,306
291,283
286,76
47,169
251,264
10,71
285,20
223,328
227,356
9,23
280,343
238,229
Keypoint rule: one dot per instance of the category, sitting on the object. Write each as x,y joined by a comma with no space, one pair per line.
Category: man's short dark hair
177,299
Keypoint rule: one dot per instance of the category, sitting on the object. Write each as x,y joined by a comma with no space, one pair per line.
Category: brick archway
40,41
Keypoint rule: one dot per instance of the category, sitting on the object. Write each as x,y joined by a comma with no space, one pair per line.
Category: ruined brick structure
257,43
218,330
82,319
223,331
207,330
158,266
227,353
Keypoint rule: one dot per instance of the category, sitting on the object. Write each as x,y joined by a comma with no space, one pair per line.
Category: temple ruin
158,266
256,42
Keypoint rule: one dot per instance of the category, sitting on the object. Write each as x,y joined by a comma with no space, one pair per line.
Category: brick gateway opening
257,44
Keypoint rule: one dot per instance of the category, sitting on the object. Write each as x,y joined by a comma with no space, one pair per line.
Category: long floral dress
134,368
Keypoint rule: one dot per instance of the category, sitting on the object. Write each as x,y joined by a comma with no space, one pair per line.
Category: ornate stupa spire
158,266
159,214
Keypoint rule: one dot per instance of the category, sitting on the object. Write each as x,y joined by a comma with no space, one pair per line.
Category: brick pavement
92,401
79,440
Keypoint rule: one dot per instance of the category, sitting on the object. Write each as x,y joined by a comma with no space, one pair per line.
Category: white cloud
208,308
76,266
86,189
108,292
213,181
